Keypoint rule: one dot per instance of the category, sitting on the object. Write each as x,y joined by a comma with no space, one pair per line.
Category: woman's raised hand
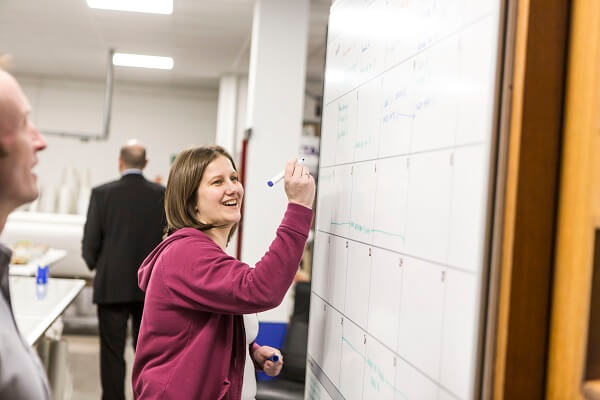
299,184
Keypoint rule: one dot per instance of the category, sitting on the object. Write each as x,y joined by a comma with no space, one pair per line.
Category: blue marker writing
274,358
271,182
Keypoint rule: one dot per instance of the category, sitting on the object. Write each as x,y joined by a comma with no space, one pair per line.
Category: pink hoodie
192,342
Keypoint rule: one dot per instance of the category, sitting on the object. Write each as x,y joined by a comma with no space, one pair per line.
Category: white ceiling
207,39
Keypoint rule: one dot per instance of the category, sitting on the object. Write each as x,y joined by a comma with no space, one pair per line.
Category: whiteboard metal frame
496,197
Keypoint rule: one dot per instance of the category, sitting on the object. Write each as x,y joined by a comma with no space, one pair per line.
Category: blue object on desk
41,282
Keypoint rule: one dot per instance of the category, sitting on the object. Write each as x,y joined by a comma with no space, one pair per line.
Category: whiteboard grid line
449,237
368,303
418,52
372,222
346,277
339,383
444,311
440,264
414,153
435,382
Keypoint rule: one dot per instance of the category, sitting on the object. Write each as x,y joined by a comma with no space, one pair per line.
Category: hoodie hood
145,270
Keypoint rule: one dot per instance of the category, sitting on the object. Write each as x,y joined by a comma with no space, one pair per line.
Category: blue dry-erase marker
271,182
274,358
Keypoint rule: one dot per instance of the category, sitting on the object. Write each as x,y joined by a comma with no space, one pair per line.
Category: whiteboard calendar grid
408,154
441,264
371,337
404,178
457,32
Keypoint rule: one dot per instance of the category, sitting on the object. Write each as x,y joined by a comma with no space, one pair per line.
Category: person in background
197,339
21,373
125,221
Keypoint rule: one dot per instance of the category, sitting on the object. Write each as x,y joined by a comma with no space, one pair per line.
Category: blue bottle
41,282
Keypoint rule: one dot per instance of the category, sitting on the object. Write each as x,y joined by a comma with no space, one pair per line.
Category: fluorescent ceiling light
143,6
136,60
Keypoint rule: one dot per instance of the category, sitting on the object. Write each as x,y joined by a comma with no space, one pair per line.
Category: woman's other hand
299,184
262,357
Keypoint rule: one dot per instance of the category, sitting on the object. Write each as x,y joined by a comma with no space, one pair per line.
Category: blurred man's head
133,155
19,143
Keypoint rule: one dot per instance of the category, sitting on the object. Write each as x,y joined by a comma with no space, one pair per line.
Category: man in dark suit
125,221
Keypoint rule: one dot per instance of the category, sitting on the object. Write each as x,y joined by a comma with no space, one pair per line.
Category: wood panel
530,200
578,208
592,362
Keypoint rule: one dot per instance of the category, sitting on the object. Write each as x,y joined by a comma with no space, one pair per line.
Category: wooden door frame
530,200
579,208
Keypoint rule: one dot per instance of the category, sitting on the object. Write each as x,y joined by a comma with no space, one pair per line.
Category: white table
30,269
35,316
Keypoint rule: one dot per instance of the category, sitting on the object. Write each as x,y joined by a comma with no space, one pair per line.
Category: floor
83,377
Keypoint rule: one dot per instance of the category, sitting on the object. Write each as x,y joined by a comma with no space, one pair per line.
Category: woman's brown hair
182,187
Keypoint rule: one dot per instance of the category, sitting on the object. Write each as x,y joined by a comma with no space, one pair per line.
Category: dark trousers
112,323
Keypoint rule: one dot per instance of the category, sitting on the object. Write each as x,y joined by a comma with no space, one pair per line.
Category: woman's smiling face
220,194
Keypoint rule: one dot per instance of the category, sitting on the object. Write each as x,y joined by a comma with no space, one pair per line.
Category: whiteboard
408,135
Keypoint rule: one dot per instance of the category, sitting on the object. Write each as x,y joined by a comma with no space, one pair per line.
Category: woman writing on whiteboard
197,333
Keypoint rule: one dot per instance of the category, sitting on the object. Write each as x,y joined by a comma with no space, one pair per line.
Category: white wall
241,110
241,125
166,120
241,120
276,82
226,111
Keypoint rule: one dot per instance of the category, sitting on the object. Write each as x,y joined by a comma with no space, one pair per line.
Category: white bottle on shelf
85,191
